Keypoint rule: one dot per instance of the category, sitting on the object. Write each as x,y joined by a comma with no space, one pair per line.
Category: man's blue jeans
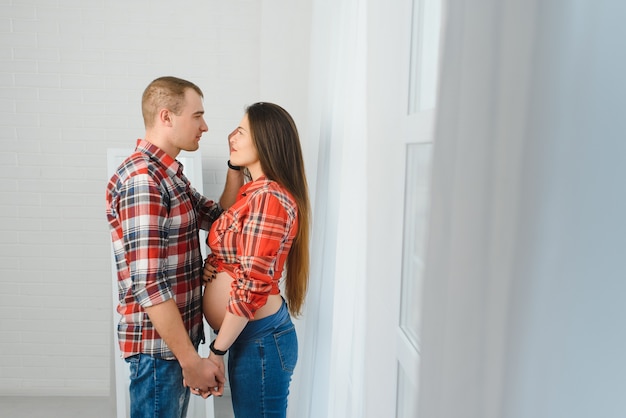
260,369
156,388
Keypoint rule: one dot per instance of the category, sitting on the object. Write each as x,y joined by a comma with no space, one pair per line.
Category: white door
424,34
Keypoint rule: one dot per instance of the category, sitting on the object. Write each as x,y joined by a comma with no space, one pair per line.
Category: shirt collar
253,185
169,164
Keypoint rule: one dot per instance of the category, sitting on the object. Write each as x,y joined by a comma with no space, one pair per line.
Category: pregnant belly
215,299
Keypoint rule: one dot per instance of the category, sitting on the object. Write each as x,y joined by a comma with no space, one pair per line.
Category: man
154,216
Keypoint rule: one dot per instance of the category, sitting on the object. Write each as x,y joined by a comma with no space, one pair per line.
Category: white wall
71,80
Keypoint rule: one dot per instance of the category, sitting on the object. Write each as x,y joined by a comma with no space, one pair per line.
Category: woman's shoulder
271,190
280,192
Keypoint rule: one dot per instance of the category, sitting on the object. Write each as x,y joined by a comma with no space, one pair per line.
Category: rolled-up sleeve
261,237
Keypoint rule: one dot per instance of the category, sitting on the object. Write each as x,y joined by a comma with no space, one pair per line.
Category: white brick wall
71,79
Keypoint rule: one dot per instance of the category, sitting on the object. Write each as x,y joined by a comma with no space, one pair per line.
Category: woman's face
242,149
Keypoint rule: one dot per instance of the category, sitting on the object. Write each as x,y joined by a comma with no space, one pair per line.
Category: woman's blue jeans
156,388
260,369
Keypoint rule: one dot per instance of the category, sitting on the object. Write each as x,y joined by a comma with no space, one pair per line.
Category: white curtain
329,381
525,275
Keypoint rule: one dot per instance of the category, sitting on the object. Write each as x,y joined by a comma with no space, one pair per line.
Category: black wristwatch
233,167
215,350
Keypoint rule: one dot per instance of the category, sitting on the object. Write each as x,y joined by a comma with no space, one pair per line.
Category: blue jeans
260,367
156,388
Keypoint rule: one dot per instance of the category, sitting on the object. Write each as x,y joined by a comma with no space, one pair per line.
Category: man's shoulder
137,168
139,163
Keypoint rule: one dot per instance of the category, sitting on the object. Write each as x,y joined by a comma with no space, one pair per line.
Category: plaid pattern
154,215
251,241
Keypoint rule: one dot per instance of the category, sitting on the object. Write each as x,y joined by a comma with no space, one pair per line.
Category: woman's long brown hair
276,138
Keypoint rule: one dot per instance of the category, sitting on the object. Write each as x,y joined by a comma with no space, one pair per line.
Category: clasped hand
206,378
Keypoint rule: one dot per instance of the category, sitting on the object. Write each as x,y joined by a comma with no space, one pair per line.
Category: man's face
188,127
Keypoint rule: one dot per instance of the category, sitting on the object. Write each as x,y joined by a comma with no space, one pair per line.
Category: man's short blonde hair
165,93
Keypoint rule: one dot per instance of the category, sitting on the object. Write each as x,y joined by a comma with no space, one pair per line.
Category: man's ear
165,117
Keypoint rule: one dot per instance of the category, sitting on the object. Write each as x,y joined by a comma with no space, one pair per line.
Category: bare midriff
215,301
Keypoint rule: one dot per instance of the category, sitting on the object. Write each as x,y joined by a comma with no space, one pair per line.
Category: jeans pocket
287,346
133,363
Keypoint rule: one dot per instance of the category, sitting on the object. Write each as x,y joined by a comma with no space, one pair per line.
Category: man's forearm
199,373
169,324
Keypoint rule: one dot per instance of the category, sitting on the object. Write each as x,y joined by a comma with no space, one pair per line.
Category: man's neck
163,143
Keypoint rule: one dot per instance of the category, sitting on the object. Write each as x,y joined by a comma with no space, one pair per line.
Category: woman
266,228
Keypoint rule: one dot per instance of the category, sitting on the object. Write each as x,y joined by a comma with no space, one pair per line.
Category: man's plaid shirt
154,216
